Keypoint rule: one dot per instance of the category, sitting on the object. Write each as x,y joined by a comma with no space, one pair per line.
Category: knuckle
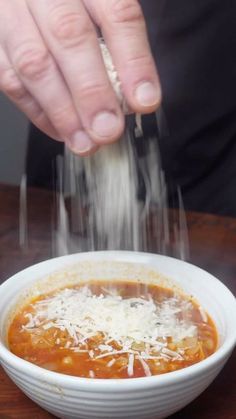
59,115
94,89
142,63
63,118
33,63
11,85
126,11
69,28
34,111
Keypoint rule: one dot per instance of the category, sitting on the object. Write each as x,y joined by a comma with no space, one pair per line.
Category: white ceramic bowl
148,397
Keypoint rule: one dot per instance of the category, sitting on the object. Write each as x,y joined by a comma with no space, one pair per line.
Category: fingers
12,86
82,144
53,69
14,89
72,40
124,30
40,75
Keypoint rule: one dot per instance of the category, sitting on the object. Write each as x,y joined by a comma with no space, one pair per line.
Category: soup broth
129,331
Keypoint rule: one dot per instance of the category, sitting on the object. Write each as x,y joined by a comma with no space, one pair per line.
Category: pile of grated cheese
140,327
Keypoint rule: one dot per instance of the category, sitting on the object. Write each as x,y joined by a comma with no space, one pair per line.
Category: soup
100,331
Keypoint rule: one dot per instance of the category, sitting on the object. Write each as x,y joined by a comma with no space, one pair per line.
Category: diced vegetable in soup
127,331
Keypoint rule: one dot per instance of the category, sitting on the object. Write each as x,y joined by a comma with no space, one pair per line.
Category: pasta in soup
124,331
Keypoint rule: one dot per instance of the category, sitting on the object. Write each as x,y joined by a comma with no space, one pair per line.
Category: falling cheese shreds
123,322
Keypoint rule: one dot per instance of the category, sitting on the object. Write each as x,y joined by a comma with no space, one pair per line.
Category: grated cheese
111,363
136,327
91,374
131,365
114,353
145,366
203,314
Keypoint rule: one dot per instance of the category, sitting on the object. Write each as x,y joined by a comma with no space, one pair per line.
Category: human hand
51,66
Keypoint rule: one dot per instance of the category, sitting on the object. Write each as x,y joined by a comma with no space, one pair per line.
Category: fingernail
106,124
80,142
148,94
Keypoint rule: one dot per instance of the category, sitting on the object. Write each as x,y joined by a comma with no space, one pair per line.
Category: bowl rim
62,380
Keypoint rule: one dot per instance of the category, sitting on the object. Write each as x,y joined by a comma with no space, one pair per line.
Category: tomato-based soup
122,331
